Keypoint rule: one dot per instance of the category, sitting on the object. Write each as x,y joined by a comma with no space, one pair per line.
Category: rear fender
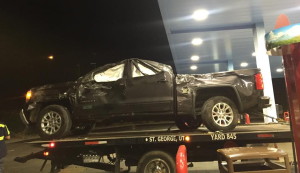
203,94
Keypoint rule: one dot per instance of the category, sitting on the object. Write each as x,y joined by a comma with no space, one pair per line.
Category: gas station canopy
212,35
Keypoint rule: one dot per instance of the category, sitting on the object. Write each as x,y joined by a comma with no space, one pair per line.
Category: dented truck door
149,90
103,94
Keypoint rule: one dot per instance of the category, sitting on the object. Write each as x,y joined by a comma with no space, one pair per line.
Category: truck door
149,90
103,94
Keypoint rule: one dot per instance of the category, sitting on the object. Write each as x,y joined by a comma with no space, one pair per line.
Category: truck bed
274,132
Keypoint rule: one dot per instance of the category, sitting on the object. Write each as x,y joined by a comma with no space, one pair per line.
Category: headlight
28,95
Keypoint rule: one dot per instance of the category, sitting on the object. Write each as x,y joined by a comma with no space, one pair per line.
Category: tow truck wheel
219,114
156,162
54,122
187,123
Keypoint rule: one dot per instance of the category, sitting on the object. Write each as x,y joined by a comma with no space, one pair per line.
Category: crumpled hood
50,91
58,86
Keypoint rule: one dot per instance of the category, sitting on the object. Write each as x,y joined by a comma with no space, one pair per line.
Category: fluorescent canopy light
197,41
200,14
193,67
244,64
279,70
195,58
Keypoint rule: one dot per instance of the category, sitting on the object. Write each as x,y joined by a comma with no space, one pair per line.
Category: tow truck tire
156,161
219,113
54,121
187,124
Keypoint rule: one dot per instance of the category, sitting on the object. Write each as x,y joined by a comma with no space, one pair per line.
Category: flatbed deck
136,143
253,132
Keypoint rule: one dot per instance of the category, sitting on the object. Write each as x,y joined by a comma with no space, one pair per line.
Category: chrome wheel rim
157,166
222,114
51,122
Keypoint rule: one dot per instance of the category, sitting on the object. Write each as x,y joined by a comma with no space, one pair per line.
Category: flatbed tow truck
152,149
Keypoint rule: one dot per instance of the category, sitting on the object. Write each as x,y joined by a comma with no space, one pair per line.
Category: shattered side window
136,72
111,74
140,70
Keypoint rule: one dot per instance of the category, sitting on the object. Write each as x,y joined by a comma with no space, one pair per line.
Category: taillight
259,81
52,145
46,153
49,145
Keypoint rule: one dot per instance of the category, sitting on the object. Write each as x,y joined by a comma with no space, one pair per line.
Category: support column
262,62
228,51
215,53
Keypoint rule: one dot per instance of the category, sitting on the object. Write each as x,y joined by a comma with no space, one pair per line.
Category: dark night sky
77,33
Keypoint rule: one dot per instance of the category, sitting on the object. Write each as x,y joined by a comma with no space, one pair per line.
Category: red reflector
52,145
91,143
95,142
265,135
259,81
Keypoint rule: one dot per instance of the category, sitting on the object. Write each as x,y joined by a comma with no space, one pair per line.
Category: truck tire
54,121
156,161
219,114
187,123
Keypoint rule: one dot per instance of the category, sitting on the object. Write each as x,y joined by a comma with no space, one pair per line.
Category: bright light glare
244,64
197,41
200,14
195,58
50,57
187,139
279,70
253,54
193,67
28,95
52,145
46,153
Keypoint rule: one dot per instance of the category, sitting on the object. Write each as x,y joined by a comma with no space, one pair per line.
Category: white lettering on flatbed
165,139
223,136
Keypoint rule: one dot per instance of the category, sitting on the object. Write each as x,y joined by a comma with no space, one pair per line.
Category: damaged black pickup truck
135,90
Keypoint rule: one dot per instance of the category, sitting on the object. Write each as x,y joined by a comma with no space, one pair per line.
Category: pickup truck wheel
219,114
54,122
187,124
156,162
